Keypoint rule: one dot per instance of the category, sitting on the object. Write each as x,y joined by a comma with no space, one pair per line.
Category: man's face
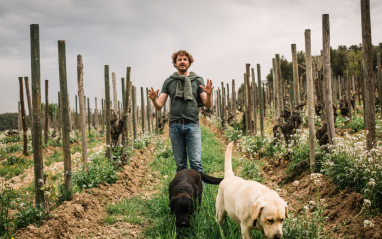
182,63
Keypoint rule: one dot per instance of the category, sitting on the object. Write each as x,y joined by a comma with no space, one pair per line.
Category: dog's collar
179,189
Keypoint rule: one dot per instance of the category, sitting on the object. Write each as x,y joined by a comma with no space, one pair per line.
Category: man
187,92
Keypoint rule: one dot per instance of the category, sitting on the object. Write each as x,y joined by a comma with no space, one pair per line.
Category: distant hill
8,121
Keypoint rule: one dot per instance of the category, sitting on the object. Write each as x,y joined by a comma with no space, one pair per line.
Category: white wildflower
367,223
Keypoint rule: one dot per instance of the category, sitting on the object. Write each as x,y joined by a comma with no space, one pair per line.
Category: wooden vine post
107,113
70,115
23,117
80,82
115,101
334,90
65,117
76,118
228,101
261,100
89,119
126,103
348,89
218,104
367,49
103,114
278,89
249,98
123,92
143,121
275,98
36,102
26,80
148,111
96,118
327,78
59,115
134,94
296,86
46,131
254,101
224,121
309,79
19,123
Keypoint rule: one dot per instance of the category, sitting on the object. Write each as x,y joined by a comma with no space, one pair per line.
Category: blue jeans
186,140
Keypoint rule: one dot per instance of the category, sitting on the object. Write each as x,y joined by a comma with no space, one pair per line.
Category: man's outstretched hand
208,89
153,94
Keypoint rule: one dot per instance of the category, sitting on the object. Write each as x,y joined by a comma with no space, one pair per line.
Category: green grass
57,156
14,166
11,139
130,210
76,149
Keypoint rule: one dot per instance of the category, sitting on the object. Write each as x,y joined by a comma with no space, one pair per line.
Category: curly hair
182,53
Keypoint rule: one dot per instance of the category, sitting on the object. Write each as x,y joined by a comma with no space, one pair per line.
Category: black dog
185,190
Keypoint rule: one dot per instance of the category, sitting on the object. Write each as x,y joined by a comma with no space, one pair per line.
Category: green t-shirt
181,108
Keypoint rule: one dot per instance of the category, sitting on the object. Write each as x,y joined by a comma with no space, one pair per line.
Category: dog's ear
286,210
256,209
172,205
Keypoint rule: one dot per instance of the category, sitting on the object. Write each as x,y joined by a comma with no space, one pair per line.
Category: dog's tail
228,172
209,179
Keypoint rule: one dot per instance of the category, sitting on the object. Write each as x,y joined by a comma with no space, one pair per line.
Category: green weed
7,195
250,171
100,170
11,139
14,166
131,210
57,156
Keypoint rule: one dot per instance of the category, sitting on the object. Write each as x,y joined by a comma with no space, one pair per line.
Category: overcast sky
221,35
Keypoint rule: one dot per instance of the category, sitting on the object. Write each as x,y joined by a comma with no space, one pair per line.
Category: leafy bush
257,145
350,164
7,194
250,171
117,152
142,141
13,160
11,139
28,214
14,166
76,149
74,139
100,170
299,153
55,143
11,148
233,134
357,123
55,157
305,225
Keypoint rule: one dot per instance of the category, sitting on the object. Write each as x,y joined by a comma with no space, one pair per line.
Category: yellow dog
250,204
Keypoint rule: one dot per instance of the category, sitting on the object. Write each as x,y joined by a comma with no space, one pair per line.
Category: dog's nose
184,223
277,236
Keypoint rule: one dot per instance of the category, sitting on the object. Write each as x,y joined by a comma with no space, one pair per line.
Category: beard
182,69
